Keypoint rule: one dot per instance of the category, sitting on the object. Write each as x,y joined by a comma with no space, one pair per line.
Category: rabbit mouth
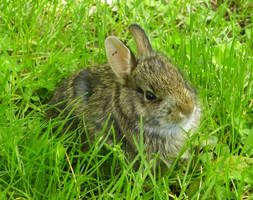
163,128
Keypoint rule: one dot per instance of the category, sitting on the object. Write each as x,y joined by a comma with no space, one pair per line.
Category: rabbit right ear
120,58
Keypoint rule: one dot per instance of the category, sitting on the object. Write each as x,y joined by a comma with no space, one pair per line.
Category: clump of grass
44,41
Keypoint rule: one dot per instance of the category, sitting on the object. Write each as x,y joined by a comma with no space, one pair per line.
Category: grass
42,42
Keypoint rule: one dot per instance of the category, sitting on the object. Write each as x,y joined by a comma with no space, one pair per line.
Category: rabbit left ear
142,42
120,58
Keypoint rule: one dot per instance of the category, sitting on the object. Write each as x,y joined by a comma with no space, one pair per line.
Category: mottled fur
120,88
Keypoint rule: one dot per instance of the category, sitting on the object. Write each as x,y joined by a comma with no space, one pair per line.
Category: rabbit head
153,87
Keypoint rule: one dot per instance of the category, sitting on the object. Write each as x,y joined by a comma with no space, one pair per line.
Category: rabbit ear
142,42
120,57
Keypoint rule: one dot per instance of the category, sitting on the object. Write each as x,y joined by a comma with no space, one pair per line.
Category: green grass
42,42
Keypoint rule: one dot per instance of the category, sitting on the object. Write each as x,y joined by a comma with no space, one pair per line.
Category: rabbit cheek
175,116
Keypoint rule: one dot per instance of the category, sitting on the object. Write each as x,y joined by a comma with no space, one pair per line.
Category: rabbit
128,88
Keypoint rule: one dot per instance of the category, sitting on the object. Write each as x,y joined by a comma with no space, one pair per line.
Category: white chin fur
167,129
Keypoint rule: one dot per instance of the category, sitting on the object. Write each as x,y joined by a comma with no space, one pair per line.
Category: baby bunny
129,88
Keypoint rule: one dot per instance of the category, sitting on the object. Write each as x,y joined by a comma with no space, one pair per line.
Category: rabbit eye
150,96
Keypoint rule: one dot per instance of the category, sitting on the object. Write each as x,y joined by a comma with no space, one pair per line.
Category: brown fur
120,88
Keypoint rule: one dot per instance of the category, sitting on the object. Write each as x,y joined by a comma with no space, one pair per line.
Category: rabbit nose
186,108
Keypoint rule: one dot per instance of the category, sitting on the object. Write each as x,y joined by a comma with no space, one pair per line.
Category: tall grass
42,42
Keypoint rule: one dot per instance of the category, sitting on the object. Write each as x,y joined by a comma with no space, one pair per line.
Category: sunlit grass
42,42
